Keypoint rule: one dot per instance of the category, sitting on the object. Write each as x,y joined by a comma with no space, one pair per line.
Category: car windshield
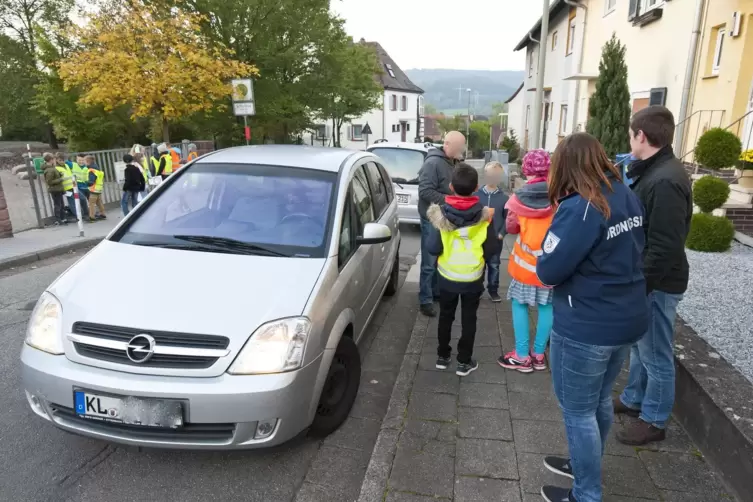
402,164
239,209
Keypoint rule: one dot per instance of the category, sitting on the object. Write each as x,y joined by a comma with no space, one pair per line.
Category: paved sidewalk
484,437
23,246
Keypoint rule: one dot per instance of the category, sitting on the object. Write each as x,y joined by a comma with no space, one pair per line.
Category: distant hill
441,88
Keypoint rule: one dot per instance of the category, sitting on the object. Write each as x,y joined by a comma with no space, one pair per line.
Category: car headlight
273,348
45,328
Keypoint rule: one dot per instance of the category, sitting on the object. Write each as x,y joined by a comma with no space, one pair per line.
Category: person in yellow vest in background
165,165
154,160
96,187
463,239
529,214
80,171
192,154
67,176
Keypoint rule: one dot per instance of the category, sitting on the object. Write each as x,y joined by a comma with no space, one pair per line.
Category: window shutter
633,10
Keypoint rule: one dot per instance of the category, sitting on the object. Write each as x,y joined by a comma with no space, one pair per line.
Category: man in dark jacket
663,186
133,184
434,180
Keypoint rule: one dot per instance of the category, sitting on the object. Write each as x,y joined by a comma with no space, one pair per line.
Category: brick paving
484,437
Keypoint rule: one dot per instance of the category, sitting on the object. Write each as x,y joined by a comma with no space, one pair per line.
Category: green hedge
710,193
709,233
718,148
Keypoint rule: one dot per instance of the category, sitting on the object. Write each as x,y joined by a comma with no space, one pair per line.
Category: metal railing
703,120
106,160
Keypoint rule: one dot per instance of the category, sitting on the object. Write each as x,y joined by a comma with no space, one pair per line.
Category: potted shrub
710,233
718,148
744,171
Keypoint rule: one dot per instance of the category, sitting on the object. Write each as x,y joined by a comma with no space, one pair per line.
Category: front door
747,137
403,130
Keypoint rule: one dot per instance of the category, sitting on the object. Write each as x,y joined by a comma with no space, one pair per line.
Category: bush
718,148
710,193
511,146
709,233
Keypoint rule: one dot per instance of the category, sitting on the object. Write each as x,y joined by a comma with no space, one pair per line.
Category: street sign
245,108
366,129
243,90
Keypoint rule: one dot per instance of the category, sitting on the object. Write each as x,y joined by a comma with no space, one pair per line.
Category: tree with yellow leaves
157,63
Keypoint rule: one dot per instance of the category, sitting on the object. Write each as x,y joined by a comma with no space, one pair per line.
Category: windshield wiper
228,244
398,182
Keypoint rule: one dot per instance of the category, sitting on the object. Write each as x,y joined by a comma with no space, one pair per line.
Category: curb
712,403
25,259
378,472
744,239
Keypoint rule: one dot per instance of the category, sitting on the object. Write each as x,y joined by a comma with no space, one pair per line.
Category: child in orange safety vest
529,215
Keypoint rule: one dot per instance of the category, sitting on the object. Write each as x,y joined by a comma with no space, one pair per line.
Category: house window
356,132
389,70
570,33
530,62
563,119
404,103
393,102
717,61
321,131
609,6
420,106
554,40
407,126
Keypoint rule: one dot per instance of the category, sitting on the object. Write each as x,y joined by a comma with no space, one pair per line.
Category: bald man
433,186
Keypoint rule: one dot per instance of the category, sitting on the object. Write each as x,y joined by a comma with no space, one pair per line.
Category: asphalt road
39,462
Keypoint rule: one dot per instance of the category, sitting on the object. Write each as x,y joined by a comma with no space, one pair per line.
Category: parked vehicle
403,161
262,267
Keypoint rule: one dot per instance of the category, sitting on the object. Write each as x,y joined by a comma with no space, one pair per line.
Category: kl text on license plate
129,410
403,199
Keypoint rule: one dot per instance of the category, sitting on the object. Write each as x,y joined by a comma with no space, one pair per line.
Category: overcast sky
465,34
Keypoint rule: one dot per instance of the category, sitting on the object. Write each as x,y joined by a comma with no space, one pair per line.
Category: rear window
402,164
284,209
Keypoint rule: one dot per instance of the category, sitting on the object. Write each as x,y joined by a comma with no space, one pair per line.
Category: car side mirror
374,233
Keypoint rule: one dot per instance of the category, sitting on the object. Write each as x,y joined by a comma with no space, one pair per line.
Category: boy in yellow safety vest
96,187
463,242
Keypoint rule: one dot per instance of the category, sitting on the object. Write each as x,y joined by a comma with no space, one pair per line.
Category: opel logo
140,349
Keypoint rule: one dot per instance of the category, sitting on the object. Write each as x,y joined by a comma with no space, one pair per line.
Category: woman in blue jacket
592,259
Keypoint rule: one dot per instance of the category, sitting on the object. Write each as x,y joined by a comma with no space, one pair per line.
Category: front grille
187,432
97,336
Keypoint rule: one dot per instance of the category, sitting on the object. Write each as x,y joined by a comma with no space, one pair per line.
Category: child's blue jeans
520,325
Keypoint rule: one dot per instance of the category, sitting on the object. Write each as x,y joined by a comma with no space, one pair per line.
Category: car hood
184,291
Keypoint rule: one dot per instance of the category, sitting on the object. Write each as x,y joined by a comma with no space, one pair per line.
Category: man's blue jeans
583,377
651,385
428,288
492,274
127,197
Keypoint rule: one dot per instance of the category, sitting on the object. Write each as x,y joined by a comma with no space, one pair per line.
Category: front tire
340,389
391,288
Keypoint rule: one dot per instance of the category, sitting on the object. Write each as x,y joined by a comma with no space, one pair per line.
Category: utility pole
535,140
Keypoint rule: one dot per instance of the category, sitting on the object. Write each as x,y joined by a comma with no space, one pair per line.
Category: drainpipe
384,114
579,68
538,100
688,84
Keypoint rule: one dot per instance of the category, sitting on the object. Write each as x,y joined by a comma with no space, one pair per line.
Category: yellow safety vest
81,173
67,177
192,155
145,169
99,182
463,257
168,163
155,163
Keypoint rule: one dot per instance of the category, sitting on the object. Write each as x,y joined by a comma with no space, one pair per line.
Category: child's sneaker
465,369
539,362
443,363
511,361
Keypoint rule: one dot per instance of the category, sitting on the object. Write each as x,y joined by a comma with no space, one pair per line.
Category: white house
399,118
515,115
562,43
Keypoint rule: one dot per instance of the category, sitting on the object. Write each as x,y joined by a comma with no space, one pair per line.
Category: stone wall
6,229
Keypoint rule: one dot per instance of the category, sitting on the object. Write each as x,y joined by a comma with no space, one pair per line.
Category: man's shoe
557,494
465,369
621,409
443,363
495,297
559,465
640,434
427,309
512,361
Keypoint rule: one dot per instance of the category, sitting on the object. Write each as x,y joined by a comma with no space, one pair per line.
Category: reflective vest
463,257
145,169
99,182
81,174
527,249
155,164
192,155
176,159
168,164
67,177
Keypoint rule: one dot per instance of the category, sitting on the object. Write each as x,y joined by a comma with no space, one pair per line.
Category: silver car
225,311
403,161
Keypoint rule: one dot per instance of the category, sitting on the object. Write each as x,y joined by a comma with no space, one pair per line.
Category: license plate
403,199
128,410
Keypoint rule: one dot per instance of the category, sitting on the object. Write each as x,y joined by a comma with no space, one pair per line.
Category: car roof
302,156
423,147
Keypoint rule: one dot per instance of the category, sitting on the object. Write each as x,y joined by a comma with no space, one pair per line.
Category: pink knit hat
536,164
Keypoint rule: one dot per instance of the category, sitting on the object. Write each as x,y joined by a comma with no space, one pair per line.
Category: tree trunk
6,229
165,130
52,139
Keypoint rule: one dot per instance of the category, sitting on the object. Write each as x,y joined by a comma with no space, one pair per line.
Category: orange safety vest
527,249
192,155
176,160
